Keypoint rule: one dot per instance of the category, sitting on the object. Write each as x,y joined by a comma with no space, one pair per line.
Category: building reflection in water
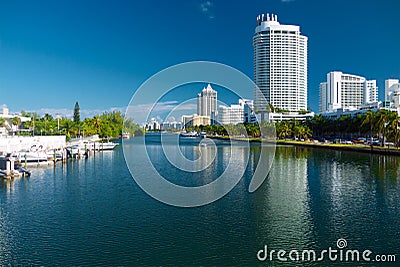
282,204
354,192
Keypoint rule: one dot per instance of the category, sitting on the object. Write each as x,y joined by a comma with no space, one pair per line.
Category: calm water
91,212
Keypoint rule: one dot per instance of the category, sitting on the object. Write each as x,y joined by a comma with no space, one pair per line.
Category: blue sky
53,53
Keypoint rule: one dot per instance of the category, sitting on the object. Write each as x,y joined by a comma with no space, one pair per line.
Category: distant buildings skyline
281,73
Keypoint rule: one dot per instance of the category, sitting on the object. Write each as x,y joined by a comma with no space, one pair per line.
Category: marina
20,154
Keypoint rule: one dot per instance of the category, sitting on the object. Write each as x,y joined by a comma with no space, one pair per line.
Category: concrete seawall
18,143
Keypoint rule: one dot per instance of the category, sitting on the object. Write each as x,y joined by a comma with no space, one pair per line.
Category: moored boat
106,146
189,134
126,136
32,158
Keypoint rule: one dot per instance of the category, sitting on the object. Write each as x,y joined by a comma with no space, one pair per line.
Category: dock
16,164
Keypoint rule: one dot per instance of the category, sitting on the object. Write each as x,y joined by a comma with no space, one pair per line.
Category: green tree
369,120
382,118
394,127
16,121
96,122
77,115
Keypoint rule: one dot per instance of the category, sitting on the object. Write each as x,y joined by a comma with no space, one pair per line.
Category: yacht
126,135
76,150
30,157
106,146
189,134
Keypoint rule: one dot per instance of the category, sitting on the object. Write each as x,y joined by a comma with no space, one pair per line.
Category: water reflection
353,195
284,219
67,215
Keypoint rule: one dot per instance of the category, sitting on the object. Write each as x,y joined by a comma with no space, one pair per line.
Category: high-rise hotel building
346,91
207,102
280,64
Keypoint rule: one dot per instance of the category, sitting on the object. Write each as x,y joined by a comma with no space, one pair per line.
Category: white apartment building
392,86
346,91
280,64
153,125
237,113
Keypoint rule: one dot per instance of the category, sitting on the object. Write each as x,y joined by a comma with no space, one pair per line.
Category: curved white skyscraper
280,63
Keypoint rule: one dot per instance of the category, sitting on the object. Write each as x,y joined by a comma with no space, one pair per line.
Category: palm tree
286,129
16,121
46,118
382,118
96,123
307,132
369,119
2,122
297,131
394,127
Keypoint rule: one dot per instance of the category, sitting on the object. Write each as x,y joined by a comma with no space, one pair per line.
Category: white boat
106,146
32,158
189,134
76,150
126,135
54,155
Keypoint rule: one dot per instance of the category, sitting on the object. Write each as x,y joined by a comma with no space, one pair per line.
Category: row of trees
383,125
106,125
252,130
296,129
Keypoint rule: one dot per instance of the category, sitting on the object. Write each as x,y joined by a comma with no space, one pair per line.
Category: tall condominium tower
346,91
207,102
280,64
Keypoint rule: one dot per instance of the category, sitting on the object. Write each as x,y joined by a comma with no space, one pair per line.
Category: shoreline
338,147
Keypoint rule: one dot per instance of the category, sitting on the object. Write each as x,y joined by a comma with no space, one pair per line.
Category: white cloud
171,109
207,8
69,113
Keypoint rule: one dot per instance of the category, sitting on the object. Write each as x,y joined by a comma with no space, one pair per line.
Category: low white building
8,127
287,116
237,113
195,120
